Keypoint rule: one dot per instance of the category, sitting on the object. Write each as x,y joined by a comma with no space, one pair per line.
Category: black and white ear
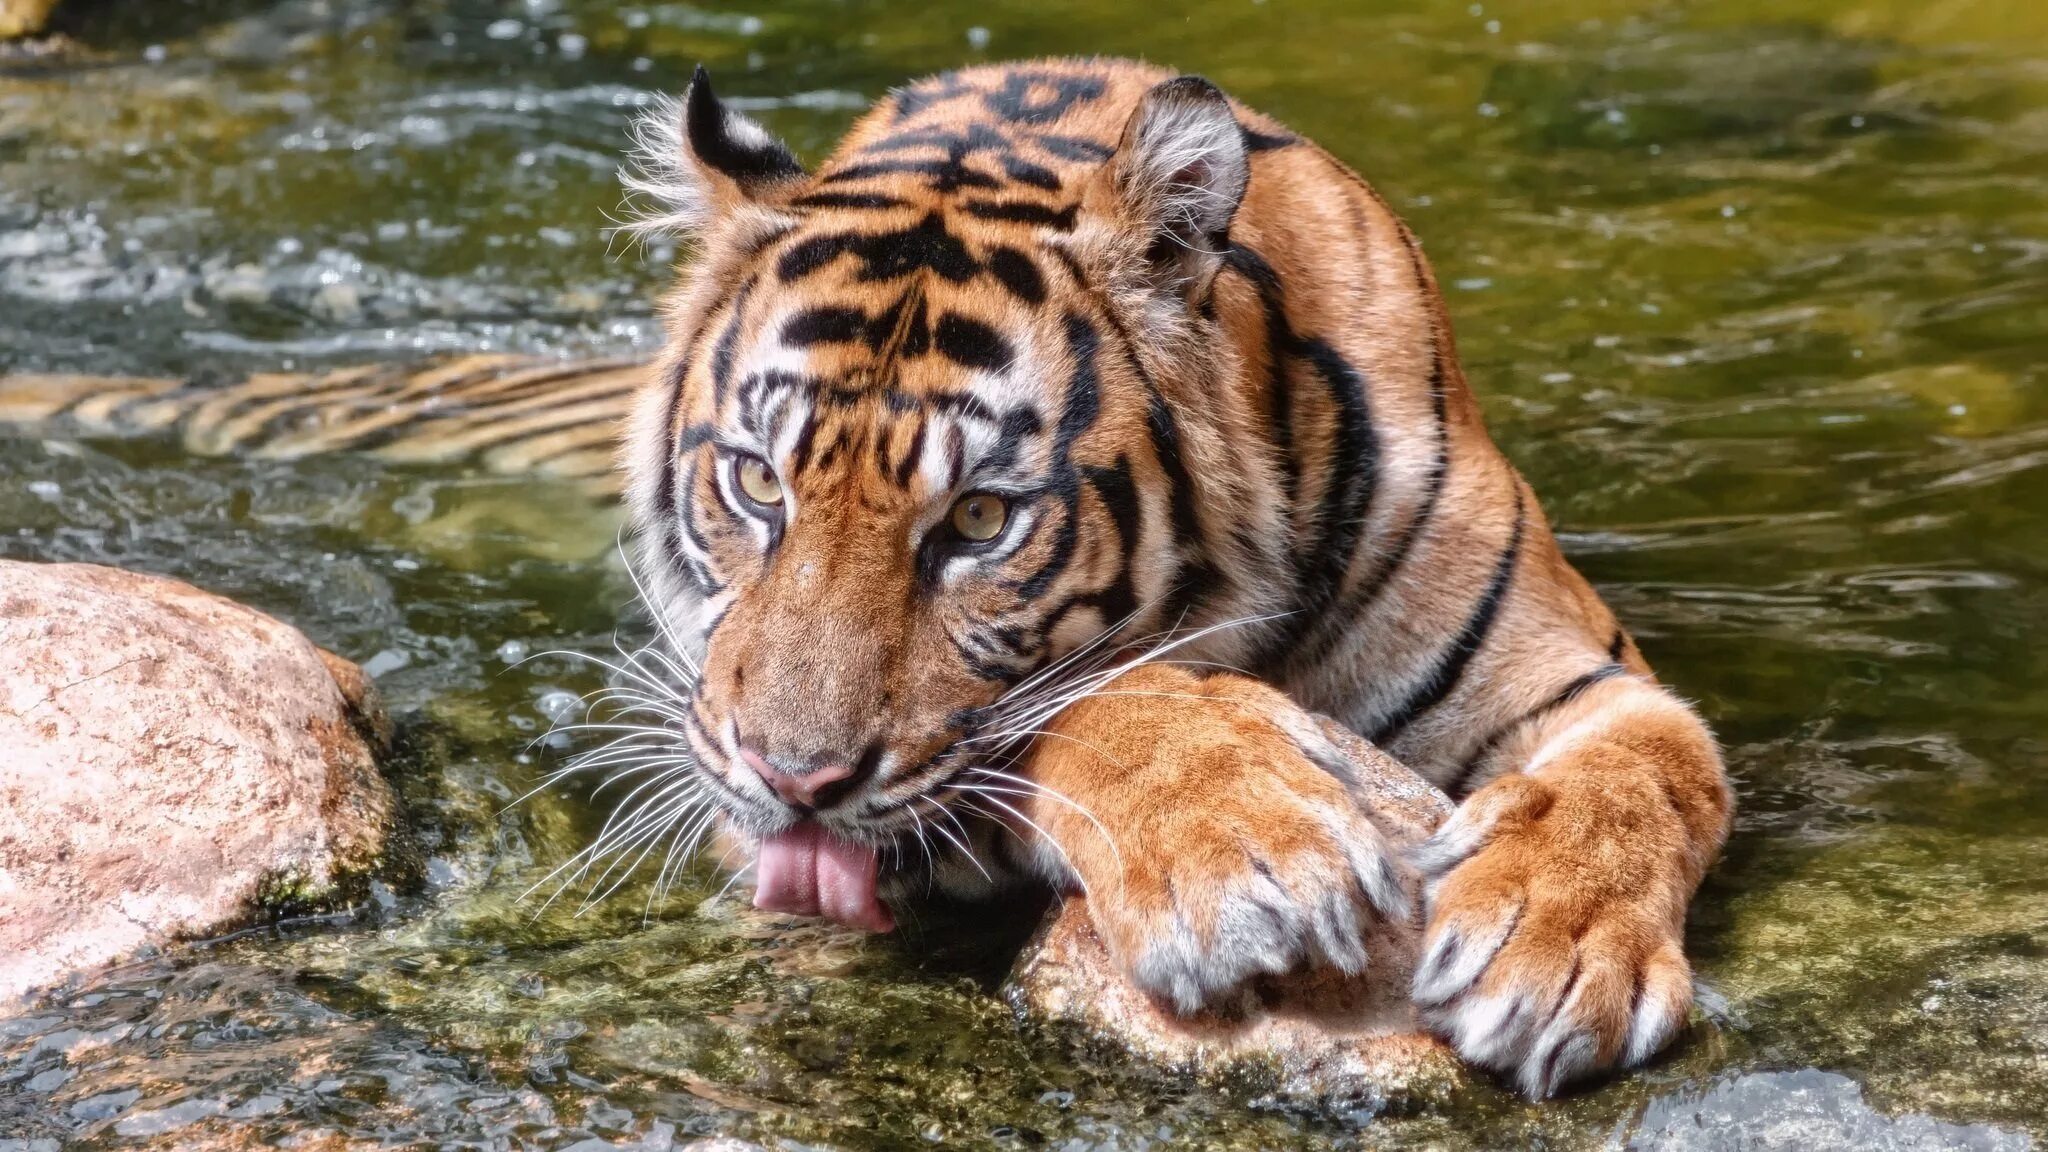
695,160
1181,172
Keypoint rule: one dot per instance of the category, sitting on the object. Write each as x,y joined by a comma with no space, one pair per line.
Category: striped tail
511,414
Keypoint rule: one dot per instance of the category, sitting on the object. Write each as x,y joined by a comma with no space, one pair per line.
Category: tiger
1081,355
1017,489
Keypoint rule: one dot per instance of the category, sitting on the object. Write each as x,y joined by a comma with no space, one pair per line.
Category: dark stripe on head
971,344
855,200
1257,141
926,246
1025,172
723,352
829,325
1084,392
1073,147
1015,272
1017,424
911,455
1024,212
944,175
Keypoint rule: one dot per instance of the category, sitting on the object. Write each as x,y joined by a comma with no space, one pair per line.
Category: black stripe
1450,664
1083,404
829,325
1015,272
1336,624
1279,338
911,456
946,175
1353,468
1018,423
858,200
1257,141
723,352
1084,396
1564,696
1618,645
1119,496
1073,147
1165,433
1024,212
1036,175
971,344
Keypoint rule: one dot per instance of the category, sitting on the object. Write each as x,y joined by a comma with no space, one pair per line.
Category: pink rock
1317,1036
166,757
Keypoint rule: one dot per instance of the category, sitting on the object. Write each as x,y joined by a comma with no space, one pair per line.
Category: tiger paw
1248,860
1553,951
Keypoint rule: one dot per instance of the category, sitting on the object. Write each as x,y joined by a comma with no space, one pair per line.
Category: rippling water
1755,293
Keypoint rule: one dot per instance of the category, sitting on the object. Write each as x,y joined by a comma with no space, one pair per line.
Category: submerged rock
172,760
1797,1111
1316,1036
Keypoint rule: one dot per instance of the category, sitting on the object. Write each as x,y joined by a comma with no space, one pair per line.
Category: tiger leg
1556,894
1207,821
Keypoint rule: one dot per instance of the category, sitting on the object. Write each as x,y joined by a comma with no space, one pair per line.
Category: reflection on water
1757,295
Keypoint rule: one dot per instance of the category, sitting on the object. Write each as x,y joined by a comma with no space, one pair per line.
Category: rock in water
24,17
1796,1111
1317,1037
171,759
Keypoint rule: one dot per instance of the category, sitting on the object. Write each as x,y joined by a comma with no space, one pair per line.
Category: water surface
1755,293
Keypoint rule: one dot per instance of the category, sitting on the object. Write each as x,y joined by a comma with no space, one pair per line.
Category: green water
1755,293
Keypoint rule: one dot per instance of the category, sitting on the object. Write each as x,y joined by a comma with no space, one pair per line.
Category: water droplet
977,38
512,651
504,29
385,662
559,705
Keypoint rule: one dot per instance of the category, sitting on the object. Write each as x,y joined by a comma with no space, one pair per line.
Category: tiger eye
758,482
981,516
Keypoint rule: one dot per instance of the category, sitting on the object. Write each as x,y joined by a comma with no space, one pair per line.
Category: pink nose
800,790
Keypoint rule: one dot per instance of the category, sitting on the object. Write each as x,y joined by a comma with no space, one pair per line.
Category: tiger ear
696,160
1180,173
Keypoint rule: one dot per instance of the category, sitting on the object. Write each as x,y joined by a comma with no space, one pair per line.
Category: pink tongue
806,871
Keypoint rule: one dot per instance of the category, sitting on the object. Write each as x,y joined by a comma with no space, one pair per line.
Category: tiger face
905,449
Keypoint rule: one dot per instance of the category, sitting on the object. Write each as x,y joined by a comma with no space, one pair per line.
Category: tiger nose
797,789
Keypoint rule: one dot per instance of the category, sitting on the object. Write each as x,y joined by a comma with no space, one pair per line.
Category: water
1755,293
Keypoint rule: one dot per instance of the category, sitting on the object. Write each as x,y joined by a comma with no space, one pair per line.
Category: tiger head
907,448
